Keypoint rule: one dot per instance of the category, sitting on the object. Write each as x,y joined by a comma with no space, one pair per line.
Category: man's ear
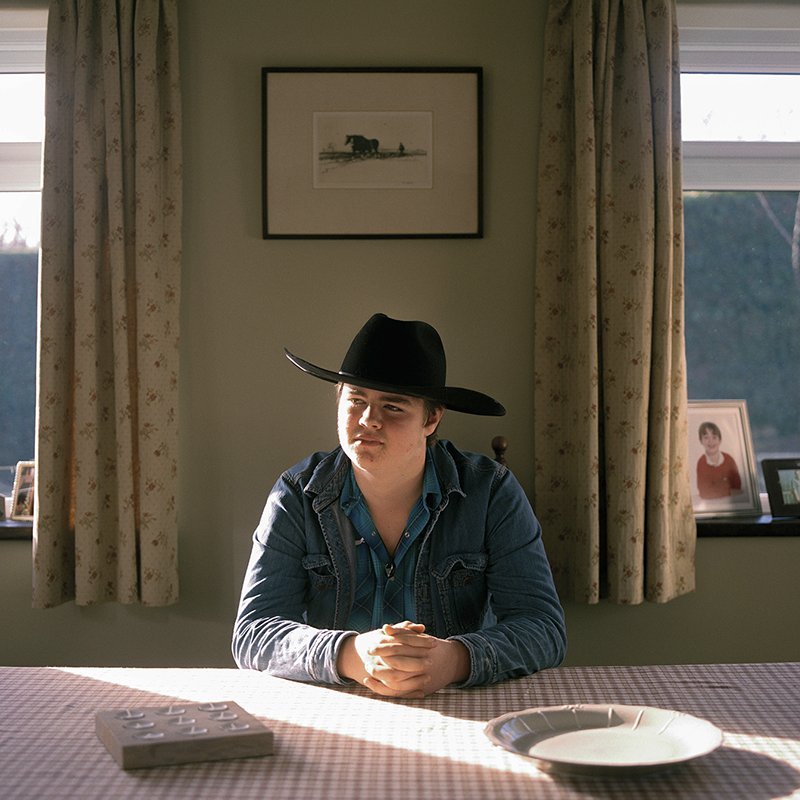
434,418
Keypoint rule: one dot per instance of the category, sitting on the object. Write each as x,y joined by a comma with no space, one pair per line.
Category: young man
396,560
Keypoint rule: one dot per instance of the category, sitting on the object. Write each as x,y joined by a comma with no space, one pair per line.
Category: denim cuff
482,660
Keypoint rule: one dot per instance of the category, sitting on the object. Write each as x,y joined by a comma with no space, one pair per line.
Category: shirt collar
431,488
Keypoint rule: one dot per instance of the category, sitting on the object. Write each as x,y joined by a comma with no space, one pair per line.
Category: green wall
246,413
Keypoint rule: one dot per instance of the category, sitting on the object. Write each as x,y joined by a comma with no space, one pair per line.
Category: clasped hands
402,660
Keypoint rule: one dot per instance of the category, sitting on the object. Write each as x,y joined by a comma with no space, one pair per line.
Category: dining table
346,742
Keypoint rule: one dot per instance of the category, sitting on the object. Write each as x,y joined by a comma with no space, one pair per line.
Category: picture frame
368,153
782,479
22,493
729,488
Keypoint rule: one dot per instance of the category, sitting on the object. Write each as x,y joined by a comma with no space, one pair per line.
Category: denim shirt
482,576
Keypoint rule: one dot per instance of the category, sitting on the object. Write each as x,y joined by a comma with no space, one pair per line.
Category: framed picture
22,493
371,153
782,477
721,463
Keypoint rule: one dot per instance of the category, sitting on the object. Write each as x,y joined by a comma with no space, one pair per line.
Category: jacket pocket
461,582
319,569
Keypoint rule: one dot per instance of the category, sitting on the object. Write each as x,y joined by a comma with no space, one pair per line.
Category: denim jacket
482,576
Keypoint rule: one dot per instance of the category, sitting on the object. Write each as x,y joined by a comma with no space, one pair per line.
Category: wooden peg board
181,733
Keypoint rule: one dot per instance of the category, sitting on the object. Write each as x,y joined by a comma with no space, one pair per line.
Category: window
740,111
22,45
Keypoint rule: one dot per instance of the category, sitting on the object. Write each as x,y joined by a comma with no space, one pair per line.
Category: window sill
764,525
15,529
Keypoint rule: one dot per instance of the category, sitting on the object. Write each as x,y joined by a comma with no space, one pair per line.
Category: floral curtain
611,447
105,526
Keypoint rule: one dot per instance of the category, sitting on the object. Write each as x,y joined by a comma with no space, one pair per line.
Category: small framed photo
366,153
22,493
782,477
721,463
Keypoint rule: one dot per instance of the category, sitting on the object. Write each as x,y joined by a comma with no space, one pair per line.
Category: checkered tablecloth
346,743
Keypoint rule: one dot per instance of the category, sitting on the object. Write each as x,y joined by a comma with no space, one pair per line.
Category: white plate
609,739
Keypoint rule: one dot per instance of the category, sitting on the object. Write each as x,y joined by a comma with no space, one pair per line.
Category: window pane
743,310
22,96
20,216
21,134
18,278
740,108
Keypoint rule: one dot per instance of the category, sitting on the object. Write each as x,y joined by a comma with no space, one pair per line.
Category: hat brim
467,401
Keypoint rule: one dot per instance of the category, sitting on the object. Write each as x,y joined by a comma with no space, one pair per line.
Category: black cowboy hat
406,357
